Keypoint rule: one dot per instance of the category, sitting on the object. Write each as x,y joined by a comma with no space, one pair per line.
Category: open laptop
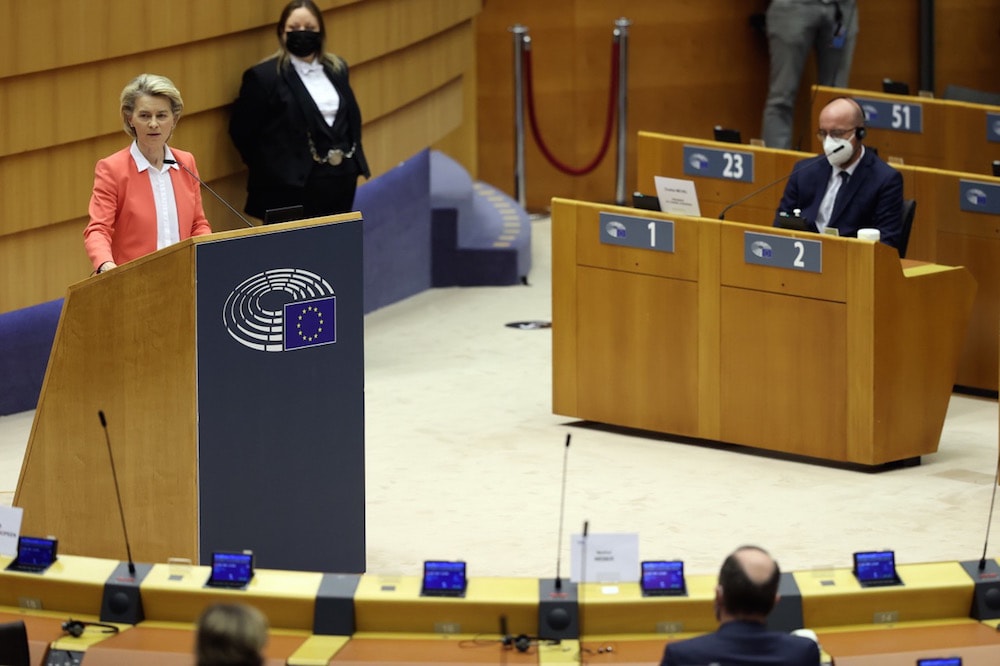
34,554
876,568
285,214
443,579
231,570
662,578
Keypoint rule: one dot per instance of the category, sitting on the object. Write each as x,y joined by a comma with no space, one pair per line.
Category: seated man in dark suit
850,188
747,591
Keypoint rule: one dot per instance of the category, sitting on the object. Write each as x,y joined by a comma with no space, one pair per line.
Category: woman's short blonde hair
152,85
231,634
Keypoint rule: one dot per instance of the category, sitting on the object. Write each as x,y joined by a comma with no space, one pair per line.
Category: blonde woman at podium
146,196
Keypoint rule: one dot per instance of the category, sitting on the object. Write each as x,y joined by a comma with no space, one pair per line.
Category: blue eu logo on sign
993,127
976,197
616,229
311,323
282,309
698,161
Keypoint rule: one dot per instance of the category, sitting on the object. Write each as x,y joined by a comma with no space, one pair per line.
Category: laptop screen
662,577
940,661
231,569
875,566
444,578
36,552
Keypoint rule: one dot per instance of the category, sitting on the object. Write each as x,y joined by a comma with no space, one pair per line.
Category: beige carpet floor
465,459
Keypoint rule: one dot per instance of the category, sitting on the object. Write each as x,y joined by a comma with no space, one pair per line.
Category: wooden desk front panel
969,239
784,358
977,644
455,650
637,362
979,361
629,325
163,646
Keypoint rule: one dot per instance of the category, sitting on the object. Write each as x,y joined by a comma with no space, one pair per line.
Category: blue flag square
310,323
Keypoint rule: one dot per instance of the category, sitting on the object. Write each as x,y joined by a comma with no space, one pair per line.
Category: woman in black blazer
297,124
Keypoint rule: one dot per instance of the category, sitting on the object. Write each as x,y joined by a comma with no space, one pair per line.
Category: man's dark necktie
840,195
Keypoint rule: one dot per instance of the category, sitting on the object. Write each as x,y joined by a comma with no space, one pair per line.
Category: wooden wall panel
694,64
412,68
966,41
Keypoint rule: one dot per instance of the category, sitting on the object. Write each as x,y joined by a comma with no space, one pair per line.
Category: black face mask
303,43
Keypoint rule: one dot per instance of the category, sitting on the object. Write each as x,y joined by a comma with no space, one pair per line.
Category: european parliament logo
698,161
615,229
762,250
282,309
979,197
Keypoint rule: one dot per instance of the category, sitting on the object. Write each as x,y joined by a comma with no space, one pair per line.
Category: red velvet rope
535,132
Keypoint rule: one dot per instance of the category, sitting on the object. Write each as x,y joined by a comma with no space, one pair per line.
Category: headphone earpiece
75,628
522,642
860,132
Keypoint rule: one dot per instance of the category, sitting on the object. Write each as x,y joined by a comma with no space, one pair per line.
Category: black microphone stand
214,193
118,494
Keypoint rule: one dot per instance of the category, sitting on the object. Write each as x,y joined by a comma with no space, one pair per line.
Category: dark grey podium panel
280,363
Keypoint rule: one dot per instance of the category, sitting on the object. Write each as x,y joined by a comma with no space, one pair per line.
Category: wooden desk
702,343
952,135
943,233
886,645
163,644
458,651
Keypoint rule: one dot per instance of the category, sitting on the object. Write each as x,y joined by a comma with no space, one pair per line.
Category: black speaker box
787,614
558,610
986,596
122,602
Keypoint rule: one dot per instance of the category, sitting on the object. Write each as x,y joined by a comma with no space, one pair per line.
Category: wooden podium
849,359
230,369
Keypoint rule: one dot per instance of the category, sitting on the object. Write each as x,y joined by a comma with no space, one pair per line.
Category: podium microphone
114,475
558,610
214,193
818,160
562,514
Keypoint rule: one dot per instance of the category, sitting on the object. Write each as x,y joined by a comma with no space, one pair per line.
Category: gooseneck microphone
818,160
562,514
118,494
989,520
214,193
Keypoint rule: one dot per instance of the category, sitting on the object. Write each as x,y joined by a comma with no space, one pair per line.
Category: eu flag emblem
310,323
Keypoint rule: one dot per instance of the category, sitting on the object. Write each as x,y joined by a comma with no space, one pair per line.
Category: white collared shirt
832,187
319,86
167,226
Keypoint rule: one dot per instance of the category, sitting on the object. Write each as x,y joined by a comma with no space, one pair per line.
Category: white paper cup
869,234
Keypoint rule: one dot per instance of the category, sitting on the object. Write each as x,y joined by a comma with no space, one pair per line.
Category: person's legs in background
835,53
792,30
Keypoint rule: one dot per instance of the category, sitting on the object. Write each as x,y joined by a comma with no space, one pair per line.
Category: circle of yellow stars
319,328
